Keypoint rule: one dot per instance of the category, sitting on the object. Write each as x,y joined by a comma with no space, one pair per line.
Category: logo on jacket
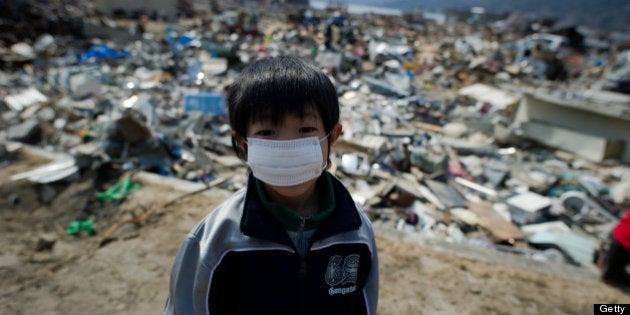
342,271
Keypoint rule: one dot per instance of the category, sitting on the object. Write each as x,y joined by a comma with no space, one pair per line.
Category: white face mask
285,162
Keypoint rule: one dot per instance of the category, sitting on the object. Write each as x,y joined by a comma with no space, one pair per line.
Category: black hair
277,86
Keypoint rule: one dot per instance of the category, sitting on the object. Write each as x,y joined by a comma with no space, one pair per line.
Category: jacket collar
259,223
292,220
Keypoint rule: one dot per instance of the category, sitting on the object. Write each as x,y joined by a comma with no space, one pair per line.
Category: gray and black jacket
240,260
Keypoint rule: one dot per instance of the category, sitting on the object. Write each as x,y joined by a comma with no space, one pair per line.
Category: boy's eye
308,129
264,133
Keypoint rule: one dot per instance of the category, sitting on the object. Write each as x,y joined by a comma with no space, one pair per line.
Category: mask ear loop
242,143
241,146
327,136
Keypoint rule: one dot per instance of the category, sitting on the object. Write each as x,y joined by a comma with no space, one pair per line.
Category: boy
292,241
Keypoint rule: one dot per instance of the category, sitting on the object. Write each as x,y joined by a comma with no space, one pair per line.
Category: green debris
75,227
119,191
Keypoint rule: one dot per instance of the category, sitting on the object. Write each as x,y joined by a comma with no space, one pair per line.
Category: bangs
277,116
271,90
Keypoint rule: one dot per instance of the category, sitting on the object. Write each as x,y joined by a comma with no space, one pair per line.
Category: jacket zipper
302,273
300,240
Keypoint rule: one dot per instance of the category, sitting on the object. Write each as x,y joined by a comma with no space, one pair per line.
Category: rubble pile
500,133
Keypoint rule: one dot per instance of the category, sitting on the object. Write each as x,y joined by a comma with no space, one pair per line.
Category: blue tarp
207,103
102,52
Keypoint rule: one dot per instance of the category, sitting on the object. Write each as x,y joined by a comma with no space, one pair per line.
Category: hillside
606,14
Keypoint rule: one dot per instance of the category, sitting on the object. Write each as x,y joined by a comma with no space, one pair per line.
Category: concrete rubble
478,133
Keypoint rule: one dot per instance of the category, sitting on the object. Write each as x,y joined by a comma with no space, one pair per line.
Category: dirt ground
43,271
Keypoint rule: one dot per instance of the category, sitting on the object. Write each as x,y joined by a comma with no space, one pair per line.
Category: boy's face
295,127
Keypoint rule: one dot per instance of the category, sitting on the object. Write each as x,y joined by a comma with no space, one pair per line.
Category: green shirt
292,220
